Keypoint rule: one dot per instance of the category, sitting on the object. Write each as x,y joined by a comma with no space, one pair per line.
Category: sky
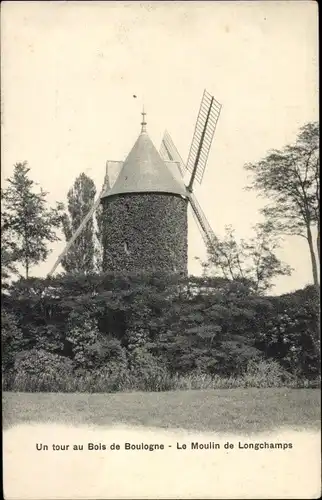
69,71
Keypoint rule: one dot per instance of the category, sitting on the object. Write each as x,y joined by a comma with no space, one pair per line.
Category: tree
289,178
8,251
81,256
27,223
253,262
289,332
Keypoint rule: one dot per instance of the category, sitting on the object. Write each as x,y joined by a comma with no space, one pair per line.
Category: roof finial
143,123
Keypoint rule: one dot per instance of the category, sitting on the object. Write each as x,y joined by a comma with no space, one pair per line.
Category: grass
258,374
222,410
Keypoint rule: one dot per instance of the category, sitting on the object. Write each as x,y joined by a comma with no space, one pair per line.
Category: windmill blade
201,231
202,138
174,168
113,169
78,230
169,152
205,229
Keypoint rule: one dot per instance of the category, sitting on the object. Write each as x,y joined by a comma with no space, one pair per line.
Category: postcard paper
160,286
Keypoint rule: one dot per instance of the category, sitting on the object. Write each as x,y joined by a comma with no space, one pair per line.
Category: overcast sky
70,69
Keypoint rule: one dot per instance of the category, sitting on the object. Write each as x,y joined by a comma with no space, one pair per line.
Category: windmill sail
203,135
113,169
202,222
79,229
174,168
169,152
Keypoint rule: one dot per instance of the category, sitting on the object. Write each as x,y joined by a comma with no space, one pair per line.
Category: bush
289,334
82,334
266,374
107,352
149,333
12,341
38,370
111,380
146,372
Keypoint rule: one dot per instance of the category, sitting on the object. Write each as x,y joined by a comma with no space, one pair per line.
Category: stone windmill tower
145,214
145,207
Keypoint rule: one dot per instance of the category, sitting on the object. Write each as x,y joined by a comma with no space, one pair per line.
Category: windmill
145,208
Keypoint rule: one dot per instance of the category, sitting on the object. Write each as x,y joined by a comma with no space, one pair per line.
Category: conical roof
145,171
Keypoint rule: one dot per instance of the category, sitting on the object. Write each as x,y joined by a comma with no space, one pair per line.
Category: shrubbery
105,333
42,370
12,341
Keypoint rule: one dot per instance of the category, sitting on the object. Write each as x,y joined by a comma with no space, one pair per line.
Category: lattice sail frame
205,229
169,152
206,123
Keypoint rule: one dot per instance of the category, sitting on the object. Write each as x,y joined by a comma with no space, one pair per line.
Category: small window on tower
126,248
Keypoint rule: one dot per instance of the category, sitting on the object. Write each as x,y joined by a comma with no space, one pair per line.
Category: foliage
8,267
144,366
12,341
139,331
135,241
81,256
41,370
8,251
91,349
290,179
82,334
27,223
266,374
253,262
291,333
100,228
263,375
